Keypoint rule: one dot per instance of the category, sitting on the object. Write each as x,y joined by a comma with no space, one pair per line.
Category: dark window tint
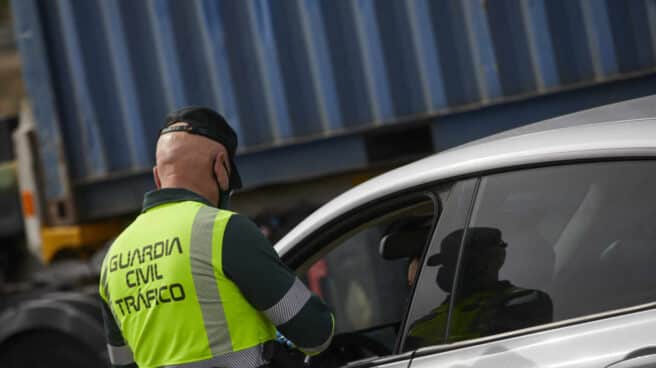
427,322
555,243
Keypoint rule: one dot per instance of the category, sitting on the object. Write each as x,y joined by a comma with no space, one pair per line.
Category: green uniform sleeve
250,261
120,354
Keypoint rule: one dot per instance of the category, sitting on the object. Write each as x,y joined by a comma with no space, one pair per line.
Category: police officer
191,284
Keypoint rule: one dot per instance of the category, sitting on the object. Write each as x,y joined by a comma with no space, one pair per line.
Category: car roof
639,108
618,130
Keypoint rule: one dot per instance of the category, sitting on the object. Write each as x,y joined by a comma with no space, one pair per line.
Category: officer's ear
158,183
222,169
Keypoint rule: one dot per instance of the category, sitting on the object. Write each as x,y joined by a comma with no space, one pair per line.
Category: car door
554,269
368,287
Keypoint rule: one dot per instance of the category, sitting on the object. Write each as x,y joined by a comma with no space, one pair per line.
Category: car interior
584,236
363,275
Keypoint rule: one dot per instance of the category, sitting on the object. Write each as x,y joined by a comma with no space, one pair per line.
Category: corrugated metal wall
102,74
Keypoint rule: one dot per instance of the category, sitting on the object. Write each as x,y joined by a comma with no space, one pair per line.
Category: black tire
46,349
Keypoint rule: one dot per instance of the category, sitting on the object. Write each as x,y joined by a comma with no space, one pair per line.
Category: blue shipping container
299,78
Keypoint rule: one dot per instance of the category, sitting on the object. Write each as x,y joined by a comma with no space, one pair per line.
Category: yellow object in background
58,238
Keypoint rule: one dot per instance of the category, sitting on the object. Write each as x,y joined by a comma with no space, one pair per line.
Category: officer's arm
252,263
120,354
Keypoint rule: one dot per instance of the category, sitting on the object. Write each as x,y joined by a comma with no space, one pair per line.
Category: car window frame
470,187
352,220
343,233
478,176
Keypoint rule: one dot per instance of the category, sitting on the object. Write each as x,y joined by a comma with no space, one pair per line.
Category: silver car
532,248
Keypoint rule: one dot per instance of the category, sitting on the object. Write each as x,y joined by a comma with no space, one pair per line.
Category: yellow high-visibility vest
164,283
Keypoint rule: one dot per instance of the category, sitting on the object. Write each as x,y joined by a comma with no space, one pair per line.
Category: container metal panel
634,47
346,61
288,72
29,30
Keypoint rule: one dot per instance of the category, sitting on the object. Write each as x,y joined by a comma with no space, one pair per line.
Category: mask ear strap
224,196
218,185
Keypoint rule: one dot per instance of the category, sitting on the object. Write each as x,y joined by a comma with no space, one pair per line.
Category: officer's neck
208,192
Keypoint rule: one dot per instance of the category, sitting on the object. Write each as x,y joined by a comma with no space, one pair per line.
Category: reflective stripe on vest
120,355
209,298
170,296
249,358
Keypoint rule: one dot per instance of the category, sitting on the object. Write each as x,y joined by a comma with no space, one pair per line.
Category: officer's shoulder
218,214
237,219
240,224
241,231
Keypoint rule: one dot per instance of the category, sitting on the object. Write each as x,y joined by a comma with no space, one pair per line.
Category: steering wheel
346,348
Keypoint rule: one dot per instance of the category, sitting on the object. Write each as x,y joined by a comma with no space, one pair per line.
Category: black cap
210,124
479,239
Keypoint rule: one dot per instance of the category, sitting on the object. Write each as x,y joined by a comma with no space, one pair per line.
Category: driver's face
413,270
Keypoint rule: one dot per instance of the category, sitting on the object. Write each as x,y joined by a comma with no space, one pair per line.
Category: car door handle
642,358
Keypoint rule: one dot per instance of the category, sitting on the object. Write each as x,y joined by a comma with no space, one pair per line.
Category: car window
428,316
363,275
554,243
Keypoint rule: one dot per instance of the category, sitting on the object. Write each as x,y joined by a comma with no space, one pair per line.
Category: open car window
363,273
